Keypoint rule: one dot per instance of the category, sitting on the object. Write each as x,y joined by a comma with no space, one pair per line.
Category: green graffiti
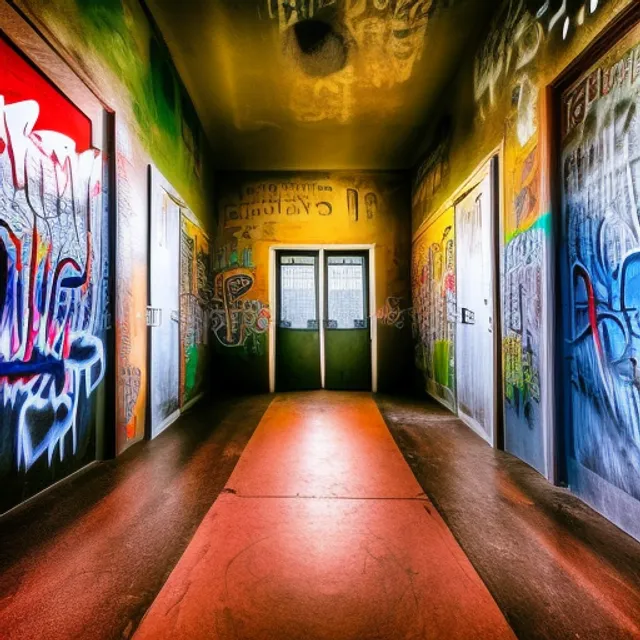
543,222
442,363
118,34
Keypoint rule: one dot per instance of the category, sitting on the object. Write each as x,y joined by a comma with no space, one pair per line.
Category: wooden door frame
273,301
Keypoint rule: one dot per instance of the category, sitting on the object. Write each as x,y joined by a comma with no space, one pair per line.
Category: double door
323,334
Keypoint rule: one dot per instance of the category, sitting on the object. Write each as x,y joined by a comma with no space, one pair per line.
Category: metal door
599,279
347,333
298,322
164,315
474,334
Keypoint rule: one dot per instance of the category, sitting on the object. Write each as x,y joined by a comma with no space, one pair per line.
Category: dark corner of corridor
319,319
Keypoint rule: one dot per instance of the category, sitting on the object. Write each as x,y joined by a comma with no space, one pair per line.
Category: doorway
56,269
164,305
475,212
324,338
597,155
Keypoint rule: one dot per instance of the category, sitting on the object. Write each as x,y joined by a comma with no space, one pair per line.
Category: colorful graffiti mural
195,295
522,292
131,292
601,245
53,258
238,321
433,282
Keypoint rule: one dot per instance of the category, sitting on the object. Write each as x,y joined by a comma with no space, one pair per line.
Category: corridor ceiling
318,84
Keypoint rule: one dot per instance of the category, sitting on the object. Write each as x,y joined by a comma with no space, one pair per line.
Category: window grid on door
346,292
298,292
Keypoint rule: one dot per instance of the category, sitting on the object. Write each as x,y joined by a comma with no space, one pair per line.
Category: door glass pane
346,292
298,291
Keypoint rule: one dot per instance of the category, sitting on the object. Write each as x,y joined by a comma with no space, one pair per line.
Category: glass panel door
298,335
347,333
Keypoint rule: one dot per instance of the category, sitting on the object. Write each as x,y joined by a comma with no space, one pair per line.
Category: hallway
319,319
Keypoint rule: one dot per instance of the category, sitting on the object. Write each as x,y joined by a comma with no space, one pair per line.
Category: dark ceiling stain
317,47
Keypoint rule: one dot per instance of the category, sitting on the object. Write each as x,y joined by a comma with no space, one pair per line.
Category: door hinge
154,316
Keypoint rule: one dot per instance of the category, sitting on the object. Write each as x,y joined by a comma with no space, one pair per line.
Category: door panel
599,244
54,278
474,335
297,332
164,262
347,331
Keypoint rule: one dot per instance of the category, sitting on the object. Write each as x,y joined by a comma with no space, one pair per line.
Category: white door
164,264
474,334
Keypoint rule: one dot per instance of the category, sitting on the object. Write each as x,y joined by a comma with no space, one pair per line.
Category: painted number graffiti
51,307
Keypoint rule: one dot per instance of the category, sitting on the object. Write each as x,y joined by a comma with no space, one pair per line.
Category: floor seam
321,497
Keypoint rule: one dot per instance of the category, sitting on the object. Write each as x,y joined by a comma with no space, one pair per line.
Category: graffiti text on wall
393,315
195,293
51,308
516,36
296,201
129,373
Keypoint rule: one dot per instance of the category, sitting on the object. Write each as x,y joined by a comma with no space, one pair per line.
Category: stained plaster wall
257,211
499,100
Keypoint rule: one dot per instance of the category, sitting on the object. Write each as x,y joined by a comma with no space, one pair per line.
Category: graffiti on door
52,262
601,243
433,284
195,293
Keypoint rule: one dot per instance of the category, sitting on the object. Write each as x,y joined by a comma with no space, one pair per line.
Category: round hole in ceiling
318,48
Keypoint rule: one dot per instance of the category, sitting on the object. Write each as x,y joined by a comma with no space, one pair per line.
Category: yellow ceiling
318,84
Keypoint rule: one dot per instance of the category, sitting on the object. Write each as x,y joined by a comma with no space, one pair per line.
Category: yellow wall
257,211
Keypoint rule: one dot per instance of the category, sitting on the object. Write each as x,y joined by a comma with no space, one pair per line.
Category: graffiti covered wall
195,301
433,284
257,211
528,45
53,262
119,54
600,244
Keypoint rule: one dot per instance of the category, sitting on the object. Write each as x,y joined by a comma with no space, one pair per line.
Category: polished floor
315,515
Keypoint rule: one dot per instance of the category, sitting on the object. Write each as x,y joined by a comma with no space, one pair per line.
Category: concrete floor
86,559
323,534
557,569
322,530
